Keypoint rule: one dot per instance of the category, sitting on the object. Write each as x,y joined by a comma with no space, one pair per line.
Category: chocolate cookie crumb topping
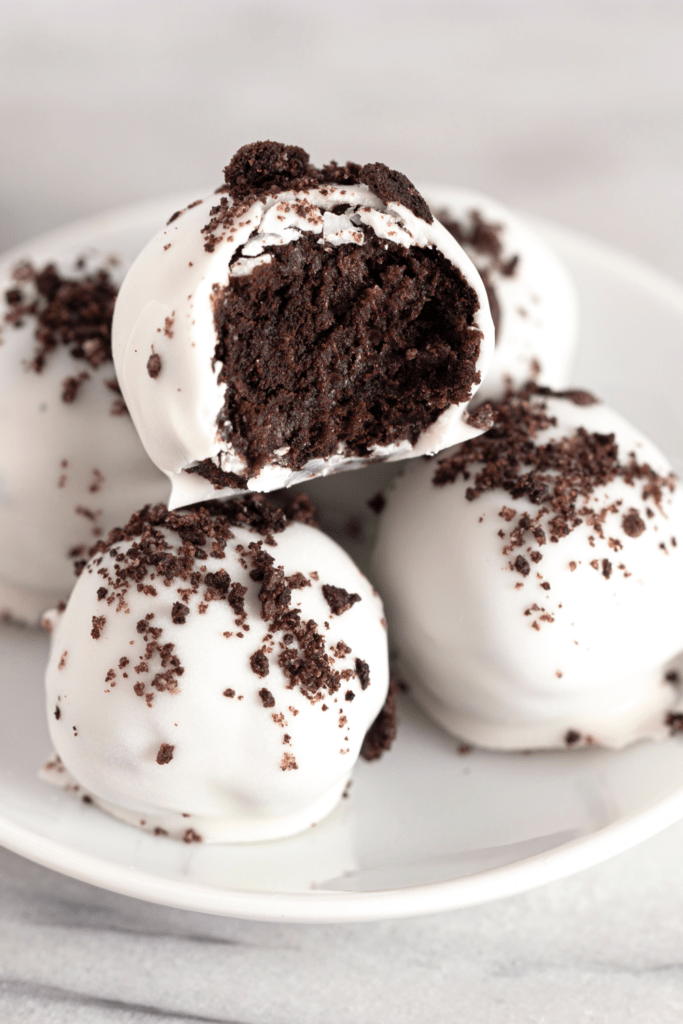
266,696
394,187
179,613
339,599
300,509
288,763
382,732
75,312
297,581
262,167
71,387
482,418
259,665
265,168
560,476
98,622
577,397
522,566
484,237
632,524
218,477
154,365
363,673
165,753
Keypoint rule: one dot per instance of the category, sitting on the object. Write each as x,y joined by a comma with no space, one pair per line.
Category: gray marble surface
604,946
570,110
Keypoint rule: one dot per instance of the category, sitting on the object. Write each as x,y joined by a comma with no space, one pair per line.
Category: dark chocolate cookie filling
349,345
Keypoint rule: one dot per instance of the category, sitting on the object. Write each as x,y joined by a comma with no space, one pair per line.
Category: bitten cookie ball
303,321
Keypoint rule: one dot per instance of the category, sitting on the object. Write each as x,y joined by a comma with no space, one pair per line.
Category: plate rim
322,906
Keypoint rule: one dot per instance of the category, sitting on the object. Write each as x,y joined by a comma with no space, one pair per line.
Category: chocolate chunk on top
260,167
363,673
165,753
98,623
266,168
394,187
267,698
259,665
179,613
632,524
154,365
71,386
339,599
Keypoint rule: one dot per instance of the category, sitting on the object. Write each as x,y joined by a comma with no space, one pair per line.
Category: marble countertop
572,111
604,946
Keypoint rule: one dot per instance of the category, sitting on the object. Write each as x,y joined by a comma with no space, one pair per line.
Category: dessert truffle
300,322
215,672
533,300
532,578
71,464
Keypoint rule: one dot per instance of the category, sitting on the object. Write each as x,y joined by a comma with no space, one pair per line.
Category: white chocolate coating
228,778
503,663
164,307
68,472
538,330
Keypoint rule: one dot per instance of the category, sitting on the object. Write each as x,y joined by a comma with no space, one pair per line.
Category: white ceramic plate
426,828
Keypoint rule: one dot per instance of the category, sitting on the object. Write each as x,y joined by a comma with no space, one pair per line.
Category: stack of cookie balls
221,662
